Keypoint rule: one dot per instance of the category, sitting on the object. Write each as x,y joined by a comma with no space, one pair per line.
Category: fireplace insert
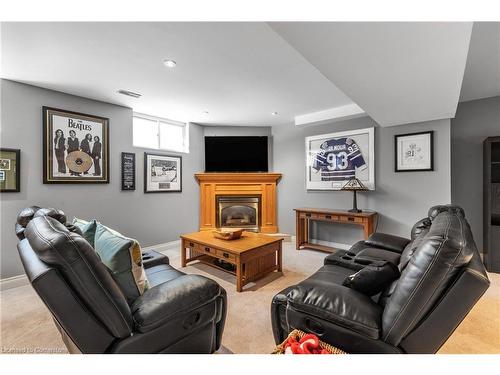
238,212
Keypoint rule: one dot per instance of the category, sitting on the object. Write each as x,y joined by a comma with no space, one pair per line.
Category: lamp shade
354,185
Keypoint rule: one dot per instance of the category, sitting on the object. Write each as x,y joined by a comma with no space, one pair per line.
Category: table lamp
354,185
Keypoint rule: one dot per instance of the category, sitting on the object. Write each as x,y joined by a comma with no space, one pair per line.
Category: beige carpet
26,325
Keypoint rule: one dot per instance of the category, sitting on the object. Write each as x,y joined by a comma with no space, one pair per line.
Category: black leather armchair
179,313
441,279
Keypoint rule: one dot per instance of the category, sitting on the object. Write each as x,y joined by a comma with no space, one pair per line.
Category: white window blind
160,134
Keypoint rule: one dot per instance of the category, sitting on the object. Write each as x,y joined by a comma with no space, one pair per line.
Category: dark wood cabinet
491,204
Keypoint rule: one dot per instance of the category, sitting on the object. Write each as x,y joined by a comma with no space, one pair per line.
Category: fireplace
262,186
238,212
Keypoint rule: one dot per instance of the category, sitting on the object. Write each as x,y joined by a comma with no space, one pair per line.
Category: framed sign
333,159
75,148
128,171
414,152
10,170
162,173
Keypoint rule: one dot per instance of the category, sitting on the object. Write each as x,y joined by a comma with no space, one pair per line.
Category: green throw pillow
123,257
88,229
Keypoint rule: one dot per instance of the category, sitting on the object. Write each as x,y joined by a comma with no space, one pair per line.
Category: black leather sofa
441,279
179,313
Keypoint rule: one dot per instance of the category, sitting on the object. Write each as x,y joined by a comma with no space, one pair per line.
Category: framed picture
162,173
75,148
10,170
414,152
333,159
128,171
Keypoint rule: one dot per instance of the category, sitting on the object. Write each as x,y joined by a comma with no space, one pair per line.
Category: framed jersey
333,159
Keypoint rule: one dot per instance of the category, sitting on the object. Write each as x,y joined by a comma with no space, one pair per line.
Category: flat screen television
236,154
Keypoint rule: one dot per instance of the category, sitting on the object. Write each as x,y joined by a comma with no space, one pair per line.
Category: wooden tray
228,234
298,334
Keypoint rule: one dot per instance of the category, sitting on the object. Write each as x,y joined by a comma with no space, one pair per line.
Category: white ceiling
242,72
397,72
239,72
482,72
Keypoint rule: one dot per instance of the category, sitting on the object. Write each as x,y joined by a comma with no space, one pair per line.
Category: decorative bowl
228,234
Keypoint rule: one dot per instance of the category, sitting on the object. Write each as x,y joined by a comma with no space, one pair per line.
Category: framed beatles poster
333,159
414,152
75,148
162,173
128,171
10,170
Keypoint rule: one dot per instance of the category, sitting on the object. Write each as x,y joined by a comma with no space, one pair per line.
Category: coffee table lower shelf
205,259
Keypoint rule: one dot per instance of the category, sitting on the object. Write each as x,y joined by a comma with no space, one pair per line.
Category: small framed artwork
128,171
75,148
414,152
162,173
10,170
335,158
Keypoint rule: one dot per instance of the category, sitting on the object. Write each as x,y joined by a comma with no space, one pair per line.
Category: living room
250,187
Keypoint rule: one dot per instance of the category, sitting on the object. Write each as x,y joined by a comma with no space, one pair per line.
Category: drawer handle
328,216
308,215
207,249
225,255
350,218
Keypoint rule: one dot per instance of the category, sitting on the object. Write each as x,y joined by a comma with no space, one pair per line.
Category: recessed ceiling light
274,113
169,63
129,93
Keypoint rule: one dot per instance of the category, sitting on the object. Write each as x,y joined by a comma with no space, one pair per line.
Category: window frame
160,120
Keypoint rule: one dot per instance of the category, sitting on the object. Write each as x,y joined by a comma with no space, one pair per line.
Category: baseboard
13,282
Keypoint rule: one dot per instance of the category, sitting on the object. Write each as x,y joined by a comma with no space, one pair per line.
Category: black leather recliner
179,313
442,277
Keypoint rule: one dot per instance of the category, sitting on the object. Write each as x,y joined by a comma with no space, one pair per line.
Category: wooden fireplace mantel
238,177
258,184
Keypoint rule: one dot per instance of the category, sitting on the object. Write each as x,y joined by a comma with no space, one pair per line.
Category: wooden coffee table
254,255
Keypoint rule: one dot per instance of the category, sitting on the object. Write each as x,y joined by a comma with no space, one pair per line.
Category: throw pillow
87,228
78,221
374,278
123,257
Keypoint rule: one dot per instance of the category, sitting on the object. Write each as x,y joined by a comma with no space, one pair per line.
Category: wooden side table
304,215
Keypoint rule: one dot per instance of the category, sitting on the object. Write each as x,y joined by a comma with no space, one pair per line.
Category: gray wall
236,131
400,198
474,121
150,218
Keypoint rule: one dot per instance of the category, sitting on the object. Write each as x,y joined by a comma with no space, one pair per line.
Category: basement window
160,134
